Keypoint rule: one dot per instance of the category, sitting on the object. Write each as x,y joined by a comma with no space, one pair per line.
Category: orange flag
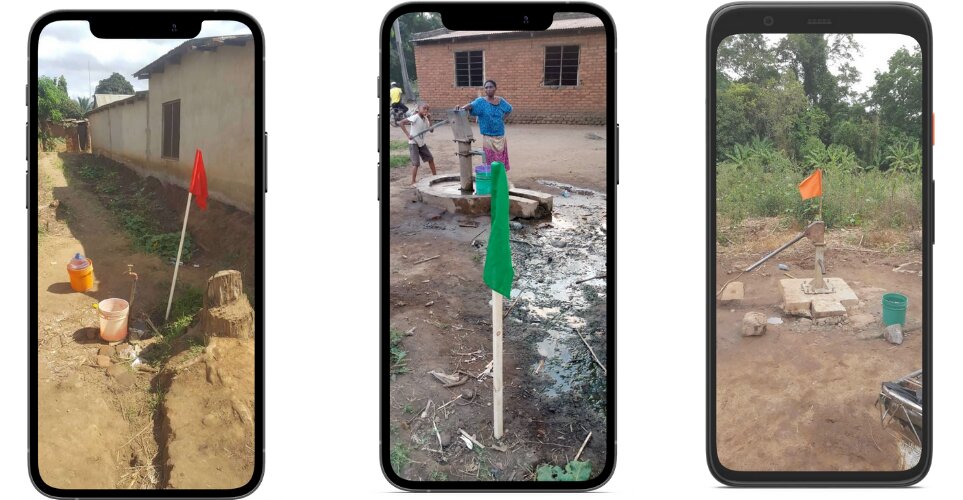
812,186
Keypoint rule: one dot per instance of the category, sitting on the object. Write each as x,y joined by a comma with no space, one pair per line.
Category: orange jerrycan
81,271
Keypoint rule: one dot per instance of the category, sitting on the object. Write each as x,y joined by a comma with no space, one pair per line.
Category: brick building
552,76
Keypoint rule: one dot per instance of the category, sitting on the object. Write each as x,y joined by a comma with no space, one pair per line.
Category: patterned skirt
496,149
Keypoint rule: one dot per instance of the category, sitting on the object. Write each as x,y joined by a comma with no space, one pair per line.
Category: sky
877,48
67,47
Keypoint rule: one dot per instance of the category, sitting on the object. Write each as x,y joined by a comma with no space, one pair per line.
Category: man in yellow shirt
395,93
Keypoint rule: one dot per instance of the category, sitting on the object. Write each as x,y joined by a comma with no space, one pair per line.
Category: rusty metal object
815,232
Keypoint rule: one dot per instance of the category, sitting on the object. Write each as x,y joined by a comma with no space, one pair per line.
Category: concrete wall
518,65
216,90
119,132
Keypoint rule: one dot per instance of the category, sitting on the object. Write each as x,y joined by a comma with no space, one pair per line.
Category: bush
749,186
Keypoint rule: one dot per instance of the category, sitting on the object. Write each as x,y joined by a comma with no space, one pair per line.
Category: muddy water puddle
561,289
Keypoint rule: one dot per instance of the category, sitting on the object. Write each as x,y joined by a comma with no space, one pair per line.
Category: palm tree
86,104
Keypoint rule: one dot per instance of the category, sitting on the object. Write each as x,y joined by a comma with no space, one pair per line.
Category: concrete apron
796,302
444,191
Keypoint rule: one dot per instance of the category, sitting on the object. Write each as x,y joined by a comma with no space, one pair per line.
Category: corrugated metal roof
139,95
590,22
102,99
174,56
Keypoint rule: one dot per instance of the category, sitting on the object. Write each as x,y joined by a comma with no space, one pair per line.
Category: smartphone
820,233
498,141
145,198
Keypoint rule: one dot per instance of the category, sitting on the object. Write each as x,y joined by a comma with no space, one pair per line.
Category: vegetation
782,112
399,356
114,84
188,300
53,105
399,457
573,471
396,161
133,210
86,104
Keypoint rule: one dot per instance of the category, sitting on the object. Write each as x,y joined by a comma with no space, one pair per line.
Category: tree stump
227,312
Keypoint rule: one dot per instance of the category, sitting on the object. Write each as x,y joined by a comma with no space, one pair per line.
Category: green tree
897,94
114,84
410,24
748,58
809,56
86,104
51,100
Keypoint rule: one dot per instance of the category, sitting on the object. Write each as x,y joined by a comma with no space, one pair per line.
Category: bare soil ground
99,428
570,153
801,397
441,318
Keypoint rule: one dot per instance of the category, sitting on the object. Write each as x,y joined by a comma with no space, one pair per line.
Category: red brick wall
518,65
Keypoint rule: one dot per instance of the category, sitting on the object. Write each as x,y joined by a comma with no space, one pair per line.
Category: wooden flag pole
497,402
177,263
820,207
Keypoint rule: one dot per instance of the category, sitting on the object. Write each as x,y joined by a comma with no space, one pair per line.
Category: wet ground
440,312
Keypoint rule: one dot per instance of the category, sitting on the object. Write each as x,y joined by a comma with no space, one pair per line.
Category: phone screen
497,202
146,192
819,252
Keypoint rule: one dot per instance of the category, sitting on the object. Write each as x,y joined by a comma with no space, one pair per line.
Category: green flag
498,261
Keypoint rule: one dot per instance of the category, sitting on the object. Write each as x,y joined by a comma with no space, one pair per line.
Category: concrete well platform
444,191
796,302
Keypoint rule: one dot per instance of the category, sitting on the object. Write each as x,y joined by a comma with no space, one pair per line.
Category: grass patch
402,144
133,208
195,347
187,302
399,356
398,161
399,457
408,409
437,475
154,399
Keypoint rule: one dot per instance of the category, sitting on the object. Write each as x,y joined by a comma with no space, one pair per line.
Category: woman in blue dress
491,112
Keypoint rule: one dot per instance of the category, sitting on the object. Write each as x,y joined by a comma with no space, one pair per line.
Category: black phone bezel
147,24
501,16
818,17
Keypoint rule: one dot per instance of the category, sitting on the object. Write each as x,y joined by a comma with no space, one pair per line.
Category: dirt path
801,397
575,154
96,430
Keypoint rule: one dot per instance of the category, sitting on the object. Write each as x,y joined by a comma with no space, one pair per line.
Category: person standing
417,149
491,111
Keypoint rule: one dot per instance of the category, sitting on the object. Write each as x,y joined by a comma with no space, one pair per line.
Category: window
561,65
171,147
469,68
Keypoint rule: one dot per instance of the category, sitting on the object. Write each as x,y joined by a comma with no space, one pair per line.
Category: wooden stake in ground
198,188
498,275
177,263
497,331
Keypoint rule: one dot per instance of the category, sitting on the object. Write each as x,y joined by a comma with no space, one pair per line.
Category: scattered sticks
471,438
583,446
448,403
592,352
422,261
599,277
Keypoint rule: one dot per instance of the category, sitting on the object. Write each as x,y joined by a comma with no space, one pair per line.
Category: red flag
199,181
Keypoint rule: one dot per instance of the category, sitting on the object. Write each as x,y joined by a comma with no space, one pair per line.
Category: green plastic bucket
483,179
894,309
